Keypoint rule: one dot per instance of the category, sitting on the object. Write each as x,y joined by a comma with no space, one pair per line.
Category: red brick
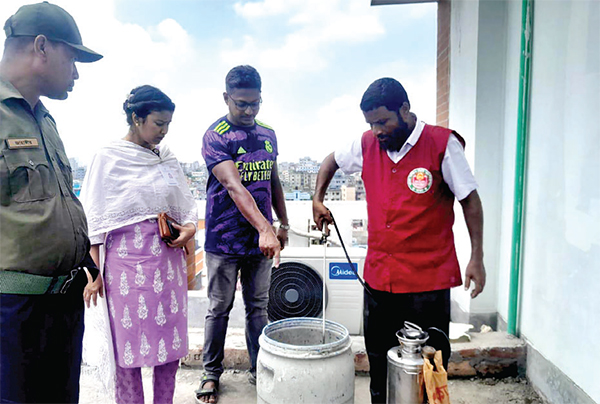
443,82
443,36
442,105
471,353
442,116
442,91
443,39
443,43
442,65
511,353
462,369
443,61
443,54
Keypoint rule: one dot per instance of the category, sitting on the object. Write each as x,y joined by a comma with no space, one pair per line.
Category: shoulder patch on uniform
222,127
264,125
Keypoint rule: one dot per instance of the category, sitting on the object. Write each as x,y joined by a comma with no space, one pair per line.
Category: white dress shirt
455,168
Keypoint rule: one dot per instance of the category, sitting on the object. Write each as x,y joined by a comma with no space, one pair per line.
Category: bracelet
284,226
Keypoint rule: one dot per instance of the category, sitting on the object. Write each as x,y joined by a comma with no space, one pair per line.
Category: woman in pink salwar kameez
127,184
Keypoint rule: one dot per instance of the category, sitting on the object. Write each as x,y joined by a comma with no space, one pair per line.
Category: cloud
317,27
164,55
311,98
319,131
419,81
266,8
341,120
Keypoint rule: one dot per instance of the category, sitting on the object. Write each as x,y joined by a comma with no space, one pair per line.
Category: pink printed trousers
129,389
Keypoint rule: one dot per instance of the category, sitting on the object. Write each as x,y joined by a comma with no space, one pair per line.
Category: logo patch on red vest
419,180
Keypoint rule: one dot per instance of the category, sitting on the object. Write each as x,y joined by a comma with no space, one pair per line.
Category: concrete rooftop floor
235,389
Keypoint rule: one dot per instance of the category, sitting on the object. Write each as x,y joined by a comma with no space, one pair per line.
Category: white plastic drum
295,365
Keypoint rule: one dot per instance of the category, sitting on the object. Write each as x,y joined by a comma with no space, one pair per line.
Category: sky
315,57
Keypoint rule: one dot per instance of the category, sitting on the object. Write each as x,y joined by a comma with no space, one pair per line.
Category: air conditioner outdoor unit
297,288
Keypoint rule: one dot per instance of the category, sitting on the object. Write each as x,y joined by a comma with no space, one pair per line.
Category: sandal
252,377
202,392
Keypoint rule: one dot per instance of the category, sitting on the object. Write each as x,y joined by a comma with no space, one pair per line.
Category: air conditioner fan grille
296,291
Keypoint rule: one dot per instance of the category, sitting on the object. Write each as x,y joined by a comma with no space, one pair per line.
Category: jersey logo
419,180
222,127
268,146
241,150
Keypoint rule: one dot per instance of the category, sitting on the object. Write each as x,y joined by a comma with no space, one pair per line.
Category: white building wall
489,132
478,43
463,96
560,313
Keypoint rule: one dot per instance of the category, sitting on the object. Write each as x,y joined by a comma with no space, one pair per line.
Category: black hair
144,100
385,92
242,77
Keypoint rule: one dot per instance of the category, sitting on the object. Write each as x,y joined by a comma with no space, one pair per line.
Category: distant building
79,173
338,180
294,180
307,165
309,180
284,175
298,180
348,193
199,174
189,167
333,195
297,196
360,195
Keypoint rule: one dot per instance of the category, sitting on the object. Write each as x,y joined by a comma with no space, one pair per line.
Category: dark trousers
385,313
255,276
40,347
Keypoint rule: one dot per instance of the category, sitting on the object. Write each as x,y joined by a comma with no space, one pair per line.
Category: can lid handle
412,327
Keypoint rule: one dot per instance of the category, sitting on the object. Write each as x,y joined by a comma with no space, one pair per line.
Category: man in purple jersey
241,156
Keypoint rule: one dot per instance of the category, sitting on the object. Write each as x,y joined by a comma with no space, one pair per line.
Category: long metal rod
324,238
520,163
362,282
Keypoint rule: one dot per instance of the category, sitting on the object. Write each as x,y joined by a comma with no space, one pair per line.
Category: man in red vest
412,172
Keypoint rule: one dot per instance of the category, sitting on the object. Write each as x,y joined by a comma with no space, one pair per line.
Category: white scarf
98,349
127,183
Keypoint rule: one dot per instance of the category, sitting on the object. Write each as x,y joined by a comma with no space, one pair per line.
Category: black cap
54,23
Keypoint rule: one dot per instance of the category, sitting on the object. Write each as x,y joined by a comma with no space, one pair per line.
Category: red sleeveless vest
410,210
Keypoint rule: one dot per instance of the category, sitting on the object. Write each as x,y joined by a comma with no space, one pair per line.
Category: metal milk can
405,367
